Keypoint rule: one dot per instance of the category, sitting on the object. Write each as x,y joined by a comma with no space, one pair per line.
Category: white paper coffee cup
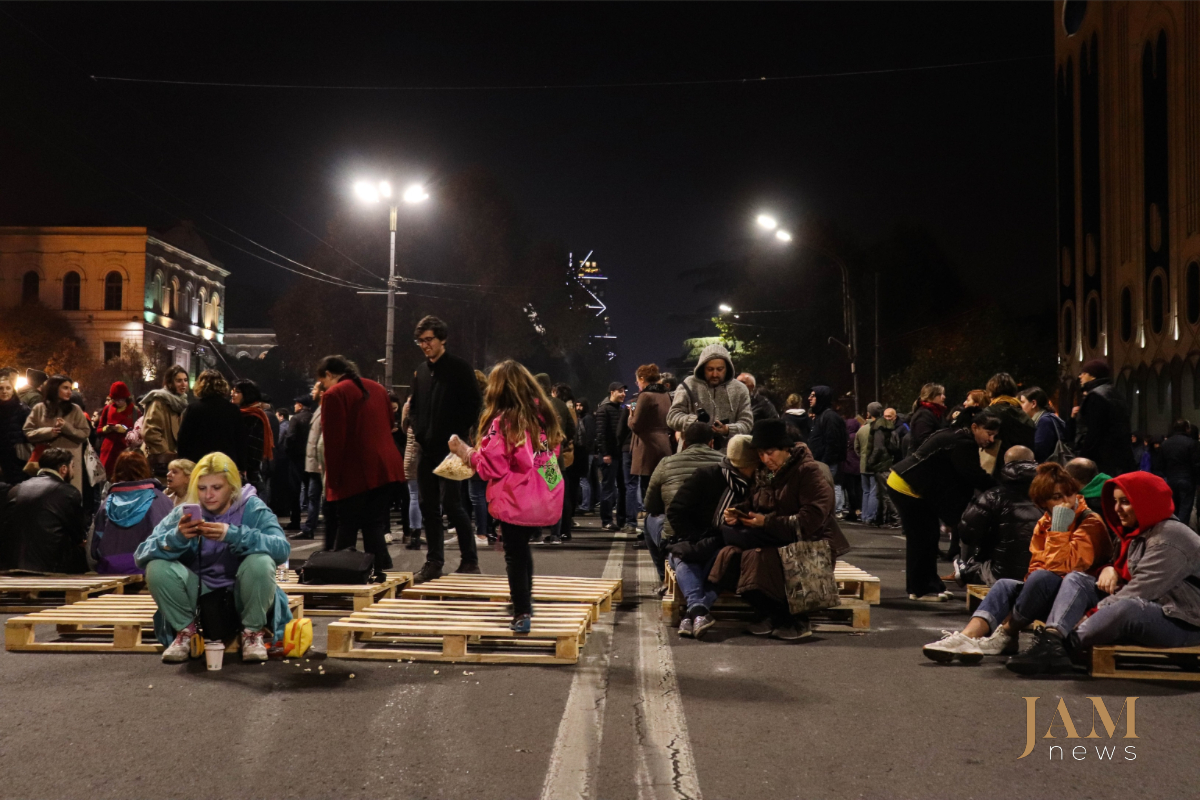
214,654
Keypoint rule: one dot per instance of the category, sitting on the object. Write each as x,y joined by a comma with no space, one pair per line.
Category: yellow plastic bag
297,637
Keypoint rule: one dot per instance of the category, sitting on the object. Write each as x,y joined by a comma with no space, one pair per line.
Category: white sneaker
180,650
387,537
253,647
998,644
930,598
954,644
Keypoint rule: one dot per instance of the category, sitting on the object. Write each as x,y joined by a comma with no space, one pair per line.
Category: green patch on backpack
550,473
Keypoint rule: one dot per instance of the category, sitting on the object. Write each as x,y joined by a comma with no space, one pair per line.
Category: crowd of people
1071,520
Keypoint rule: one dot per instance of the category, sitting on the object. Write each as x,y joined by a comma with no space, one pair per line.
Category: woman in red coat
361,460
116,419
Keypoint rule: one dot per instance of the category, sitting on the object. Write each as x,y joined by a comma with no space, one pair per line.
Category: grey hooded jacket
728,400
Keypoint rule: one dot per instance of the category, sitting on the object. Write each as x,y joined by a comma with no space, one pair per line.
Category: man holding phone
710,394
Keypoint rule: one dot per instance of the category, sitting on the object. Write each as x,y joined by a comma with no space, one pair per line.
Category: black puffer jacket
1179,458
998,524
1101,429
828,439
608,422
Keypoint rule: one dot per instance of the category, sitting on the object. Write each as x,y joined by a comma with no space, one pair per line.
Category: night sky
654,178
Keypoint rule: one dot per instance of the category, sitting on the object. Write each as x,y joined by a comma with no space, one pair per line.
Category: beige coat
160,428
39,429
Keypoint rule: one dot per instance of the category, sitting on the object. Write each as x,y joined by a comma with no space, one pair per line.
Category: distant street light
725,308
371,193
783,236
767,221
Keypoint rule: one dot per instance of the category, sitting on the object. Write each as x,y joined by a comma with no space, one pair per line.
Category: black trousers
331,522
438,495
368,512
923,532
518,562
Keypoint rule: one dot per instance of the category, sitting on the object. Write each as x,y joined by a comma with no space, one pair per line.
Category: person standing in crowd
710,394
608,447
1049,429
648,422
285,496
400,497
827,439
671,473
43,527
361,461
445,402
1180,460
849,482
883,452
1099,426
589,488
928,415
932,486
14,447
961,416
179,475
258,436
1017,429
862,446
797,418
519,440
566,423
412,462
211,423
581,456
629,504
35,382
164,412
59,422
115,420
295,445
761,406
477,486
134,506
998,524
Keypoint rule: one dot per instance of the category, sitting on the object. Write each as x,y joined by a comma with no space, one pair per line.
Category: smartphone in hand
194,510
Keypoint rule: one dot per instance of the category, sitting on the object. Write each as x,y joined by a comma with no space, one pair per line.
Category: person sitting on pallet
1068,540
998,524
217,567
1148,596
42,524
695,513
134,506
791,499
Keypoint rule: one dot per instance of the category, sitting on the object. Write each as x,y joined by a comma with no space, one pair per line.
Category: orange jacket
1086,547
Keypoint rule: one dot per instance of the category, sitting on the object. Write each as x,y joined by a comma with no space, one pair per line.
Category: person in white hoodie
710,394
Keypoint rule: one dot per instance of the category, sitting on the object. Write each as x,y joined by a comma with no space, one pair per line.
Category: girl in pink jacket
519,442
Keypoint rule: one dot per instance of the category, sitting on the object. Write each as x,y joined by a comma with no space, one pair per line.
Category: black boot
414,541
1045,656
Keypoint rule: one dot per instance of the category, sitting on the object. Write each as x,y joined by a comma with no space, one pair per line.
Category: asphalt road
644,715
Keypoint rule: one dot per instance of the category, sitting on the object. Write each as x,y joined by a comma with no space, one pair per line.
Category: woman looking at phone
213,560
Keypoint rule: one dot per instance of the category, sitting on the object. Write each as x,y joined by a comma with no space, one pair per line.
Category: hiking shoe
468,568
428,572
521,623
952,645
686,627
253,648
762,628
930,598
180,650
702,623
1000,643
793,631
1045,655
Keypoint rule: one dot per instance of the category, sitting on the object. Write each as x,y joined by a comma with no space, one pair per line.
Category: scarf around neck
937,410
268,436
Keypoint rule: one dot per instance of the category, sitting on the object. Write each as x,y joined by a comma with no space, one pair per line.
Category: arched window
1126,314
205,308
216,310
1156,304
1192,290
189,303
176,307
1093,322
71,285
31,286
114,287
1073,13
165,301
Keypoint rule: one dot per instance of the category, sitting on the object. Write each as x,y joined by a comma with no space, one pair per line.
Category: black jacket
12,421
691,515
828,439
921,425
585,438
945,472
1101,429
998,524
445,401
1179,458
43,527
624,434
1016,429
212,425
761,407
608,423
295,444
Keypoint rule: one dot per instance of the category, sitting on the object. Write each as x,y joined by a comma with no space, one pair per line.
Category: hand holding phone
189,522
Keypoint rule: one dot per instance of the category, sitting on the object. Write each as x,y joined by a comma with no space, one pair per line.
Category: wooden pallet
457,631
975,594
337,600
1146,663
600,594
23,594
110,623
858,591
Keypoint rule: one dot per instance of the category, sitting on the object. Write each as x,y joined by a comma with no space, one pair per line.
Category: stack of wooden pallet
334,600
24,593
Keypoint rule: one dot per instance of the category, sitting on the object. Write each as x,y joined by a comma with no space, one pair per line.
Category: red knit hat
119,391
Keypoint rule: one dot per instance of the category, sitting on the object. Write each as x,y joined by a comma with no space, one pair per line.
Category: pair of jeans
176,590
1184,493
312,490
477,487
887,509
295,488
692,580
870,500
922,532
369,512
1136,621
414,505
653,538
1077,594
518,562
438,495
633,502
1026,601
612,487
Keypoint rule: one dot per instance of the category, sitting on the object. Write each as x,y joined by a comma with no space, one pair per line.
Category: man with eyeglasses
445,402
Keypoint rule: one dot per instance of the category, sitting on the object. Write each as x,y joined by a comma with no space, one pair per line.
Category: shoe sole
253,659
686,634
940,656
176,660
698,632
758,633
803,635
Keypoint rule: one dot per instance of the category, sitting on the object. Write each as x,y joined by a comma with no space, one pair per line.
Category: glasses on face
425,341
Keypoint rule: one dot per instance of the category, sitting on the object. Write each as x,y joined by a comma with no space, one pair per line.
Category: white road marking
666,768
571,774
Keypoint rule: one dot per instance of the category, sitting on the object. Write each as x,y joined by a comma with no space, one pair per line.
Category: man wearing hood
998,524
1100,425
1148,596
710,394
828,439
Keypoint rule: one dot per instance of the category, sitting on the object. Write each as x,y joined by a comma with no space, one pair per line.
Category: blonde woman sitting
216,568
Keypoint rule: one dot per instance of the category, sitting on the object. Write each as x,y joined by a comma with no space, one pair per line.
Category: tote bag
808,578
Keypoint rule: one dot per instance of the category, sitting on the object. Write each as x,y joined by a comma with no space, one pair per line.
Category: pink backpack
525,486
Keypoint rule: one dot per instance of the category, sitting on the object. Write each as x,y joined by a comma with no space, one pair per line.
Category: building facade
1127,88
121,288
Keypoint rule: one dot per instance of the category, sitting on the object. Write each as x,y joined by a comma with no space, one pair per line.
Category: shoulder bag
808,579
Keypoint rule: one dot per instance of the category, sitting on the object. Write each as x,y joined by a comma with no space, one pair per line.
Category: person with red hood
1149,595
115,420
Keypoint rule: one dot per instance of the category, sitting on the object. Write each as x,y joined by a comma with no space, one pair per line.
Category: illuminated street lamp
373,193
725,308
783,236
767,221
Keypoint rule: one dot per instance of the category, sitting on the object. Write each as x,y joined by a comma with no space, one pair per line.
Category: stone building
122,287
1127,83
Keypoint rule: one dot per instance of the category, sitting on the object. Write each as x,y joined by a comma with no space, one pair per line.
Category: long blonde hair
214,464
521,403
